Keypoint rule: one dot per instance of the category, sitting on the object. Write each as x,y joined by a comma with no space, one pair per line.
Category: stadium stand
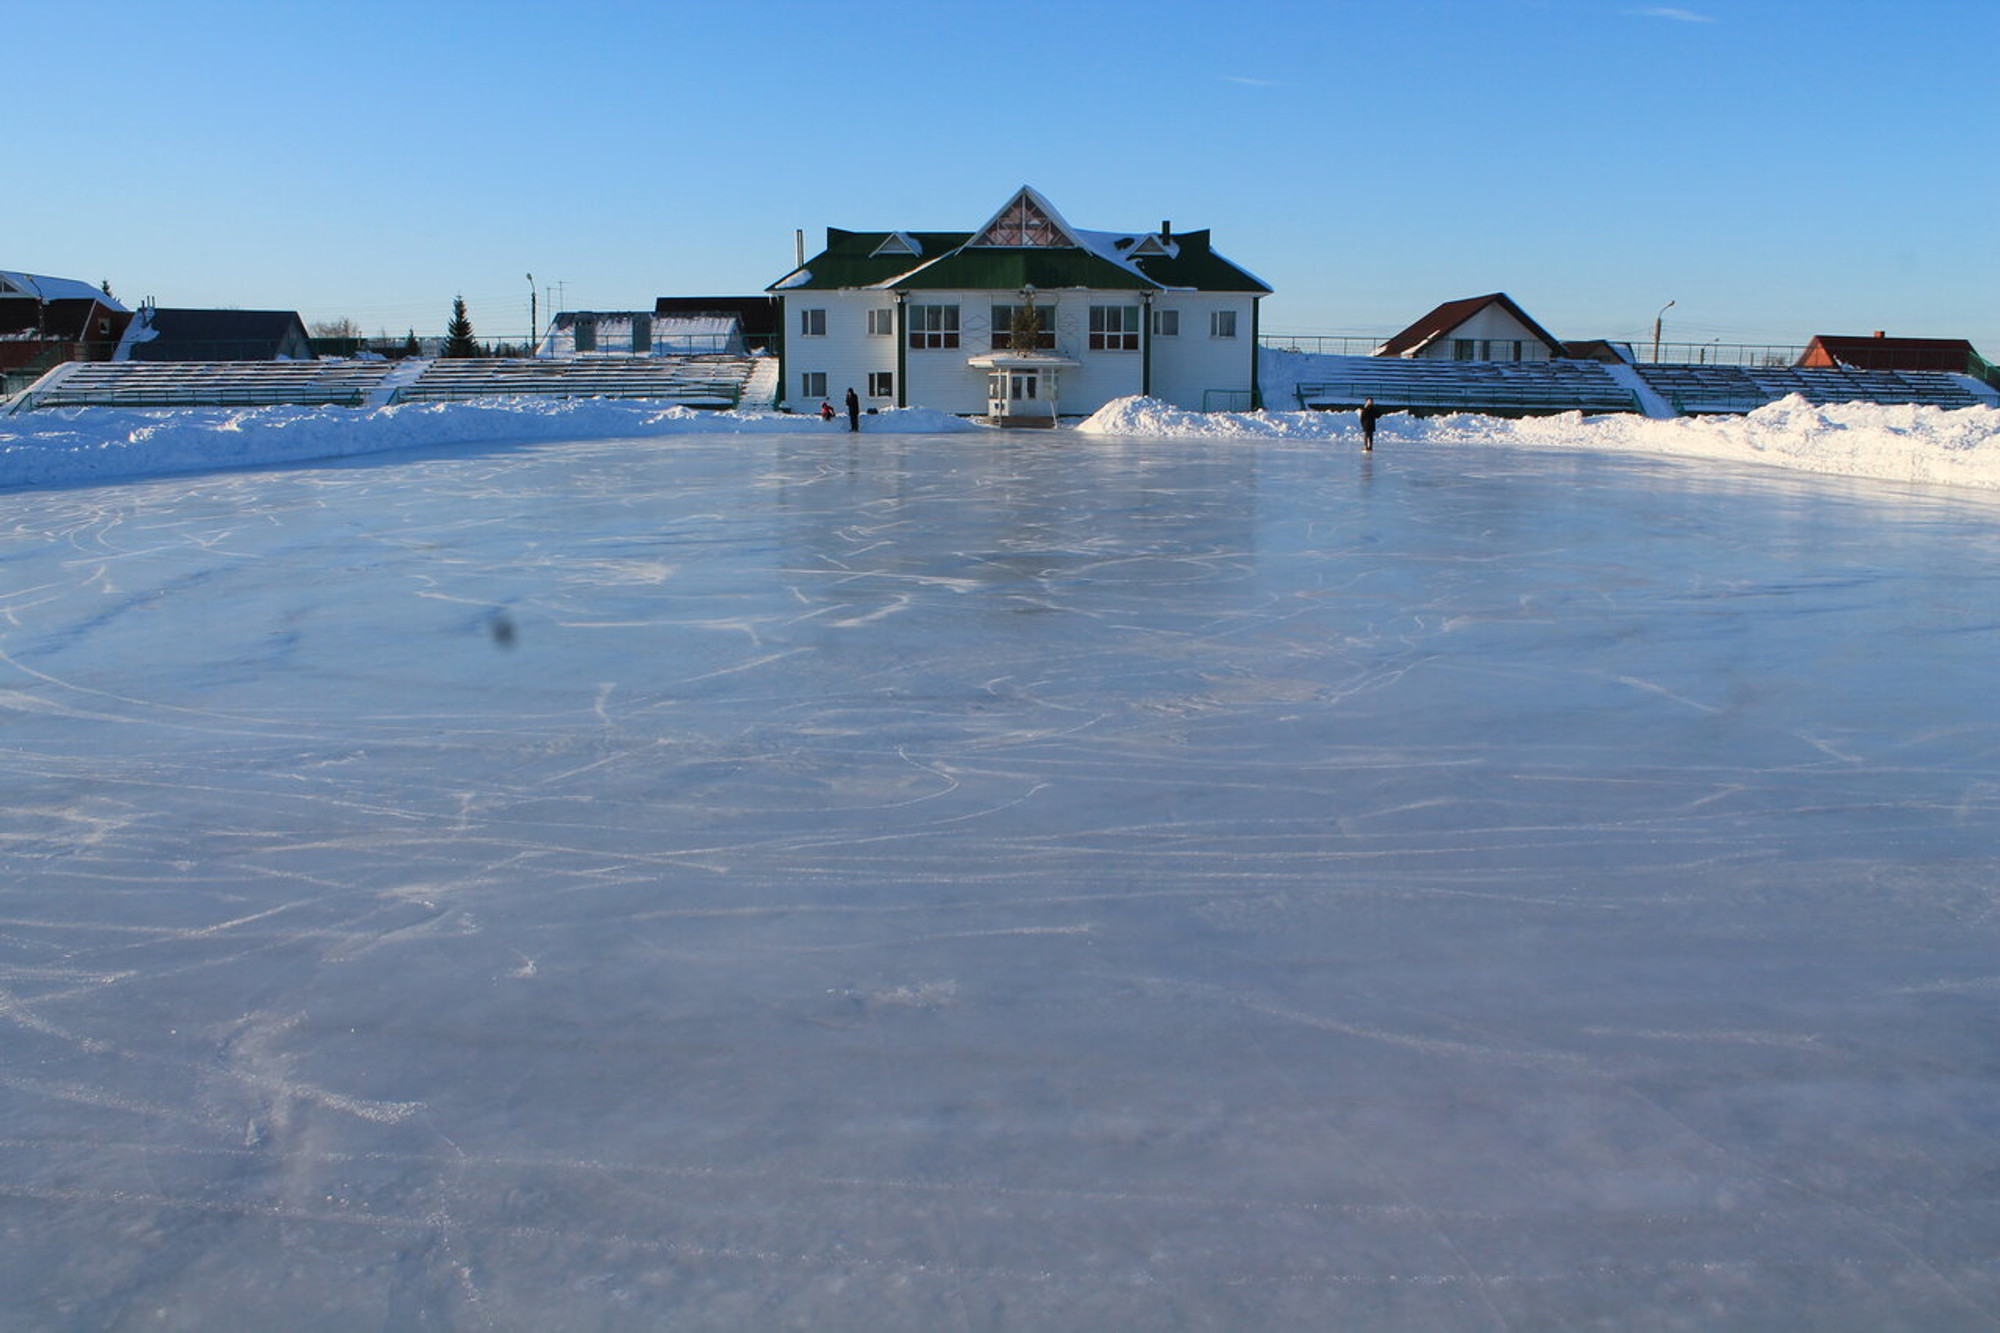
1695,390
1497,388
692,381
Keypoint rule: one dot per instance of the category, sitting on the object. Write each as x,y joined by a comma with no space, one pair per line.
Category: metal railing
1714,353
1322,344
1769,356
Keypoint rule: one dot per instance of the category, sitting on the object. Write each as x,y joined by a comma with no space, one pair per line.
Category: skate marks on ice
943,885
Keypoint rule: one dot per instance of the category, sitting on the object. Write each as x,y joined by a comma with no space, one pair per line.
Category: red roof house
1475,328
1885,353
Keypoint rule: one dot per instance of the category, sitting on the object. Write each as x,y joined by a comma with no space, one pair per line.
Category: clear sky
1775,169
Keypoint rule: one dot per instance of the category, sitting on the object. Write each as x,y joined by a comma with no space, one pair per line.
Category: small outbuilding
1475,328
160,333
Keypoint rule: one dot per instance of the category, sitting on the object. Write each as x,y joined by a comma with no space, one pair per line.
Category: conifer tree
1026,328
458,334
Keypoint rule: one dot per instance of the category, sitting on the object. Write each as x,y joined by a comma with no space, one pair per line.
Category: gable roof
1026,243
168,334
1443,319
54,289
1884,353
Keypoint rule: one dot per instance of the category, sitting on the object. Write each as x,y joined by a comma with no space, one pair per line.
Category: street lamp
534,316
1656,330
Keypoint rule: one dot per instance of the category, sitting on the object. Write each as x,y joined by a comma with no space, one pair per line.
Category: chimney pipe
1880,334
1166,229
799,246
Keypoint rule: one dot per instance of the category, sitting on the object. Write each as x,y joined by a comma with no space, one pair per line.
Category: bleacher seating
1694,390
205,384
1495,388
694,381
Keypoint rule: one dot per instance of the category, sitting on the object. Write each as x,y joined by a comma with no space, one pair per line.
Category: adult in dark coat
1370,414
853,411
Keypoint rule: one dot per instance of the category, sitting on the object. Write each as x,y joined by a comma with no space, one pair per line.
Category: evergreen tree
1025,331
458,334
411,347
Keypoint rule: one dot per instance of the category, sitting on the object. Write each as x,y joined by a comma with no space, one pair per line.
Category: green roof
849,259
1198,267
947,263
978,269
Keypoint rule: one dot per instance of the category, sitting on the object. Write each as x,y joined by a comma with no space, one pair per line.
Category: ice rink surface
999,882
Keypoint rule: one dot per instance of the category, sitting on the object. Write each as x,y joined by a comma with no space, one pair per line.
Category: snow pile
1894,443
66,446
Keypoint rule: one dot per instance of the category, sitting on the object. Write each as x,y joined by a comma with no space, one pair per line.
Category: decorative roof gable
896,243
1026,220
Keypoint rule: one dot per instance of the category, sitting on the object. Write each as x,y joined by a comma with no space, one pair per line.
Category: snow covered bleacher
1694,390
692,381
204,384
1497,388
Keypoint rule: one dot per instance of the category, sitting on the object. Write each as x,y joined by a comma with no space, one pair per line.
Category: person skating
853,411
1370,414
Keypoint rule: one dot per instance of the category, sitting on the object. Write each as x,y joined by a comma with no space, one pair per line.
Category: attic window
1149,246
1023,222
896,243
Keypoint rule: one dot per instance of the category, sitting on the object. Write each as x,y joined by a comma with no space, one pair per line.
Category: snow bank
1893,443
66,446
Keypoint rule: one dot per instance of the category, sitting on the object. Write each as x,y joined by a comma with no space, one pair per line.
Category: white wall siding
1494,325
1183,367
1187,365
846,353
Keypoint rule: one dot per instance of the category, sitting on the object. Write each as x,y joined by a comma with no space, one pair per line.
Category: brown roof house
46,321
1475,328
1885,353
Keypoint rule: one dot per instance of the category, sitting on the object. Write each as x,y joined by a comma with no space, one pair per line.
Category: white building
639,333
909,318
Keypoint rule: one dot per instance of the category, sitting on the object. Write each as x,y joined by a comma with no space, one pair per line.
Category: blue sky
1774,169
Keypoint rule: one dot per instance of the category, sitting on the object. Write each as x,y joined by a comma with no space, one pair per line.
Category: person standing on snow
1370,414
853,411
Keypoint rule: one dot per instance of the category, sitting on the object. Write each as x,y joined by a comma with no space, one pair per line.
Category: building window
1003,327
642,334
812,383
1462,349
882,323
1166,323
881,384
1222,323
933,326
1114,328
812,323
586,335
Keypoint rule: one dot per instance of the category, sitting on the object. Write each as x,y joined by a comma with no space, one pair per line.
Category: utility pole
1656,330
534,317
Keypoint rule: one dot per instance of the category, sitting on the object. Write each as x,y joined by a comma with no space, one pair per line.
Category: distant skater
853,411
1370,414
825,410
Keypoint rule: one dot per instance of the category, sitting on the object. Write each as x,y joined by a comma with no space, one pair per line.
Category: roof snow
54,289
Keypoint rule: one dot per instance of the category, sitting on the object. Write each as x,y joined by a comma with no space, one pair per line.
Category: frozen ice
1000,880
